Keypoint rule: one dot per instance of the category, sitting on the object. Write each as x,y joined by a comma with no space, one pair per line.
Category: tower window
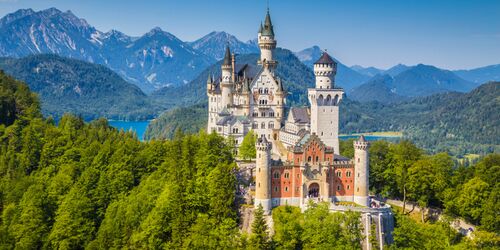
276,189
286,189
287,175
338,187
276,175
339,174
348,187
348,174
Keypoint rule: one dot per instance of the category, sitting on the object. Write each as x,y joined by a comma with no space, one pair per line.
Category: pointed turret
268,26
227,56
266,42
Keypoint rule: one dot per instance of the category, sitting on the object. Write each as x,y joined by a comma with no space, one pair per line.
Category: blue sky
452,34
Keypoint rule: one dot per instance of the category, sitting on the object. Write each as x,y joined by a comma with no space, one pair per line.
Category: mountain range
214,45
151,61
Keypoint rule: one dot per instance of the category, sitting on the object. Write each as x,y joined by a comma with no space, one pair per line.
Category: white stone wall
361,173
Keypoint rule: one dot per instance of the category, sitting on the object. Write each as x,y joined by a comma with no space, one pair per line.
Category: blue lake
138,126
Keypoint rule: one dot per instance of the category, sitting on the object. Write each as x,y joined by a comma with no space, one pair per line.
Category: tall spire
227,56
268,25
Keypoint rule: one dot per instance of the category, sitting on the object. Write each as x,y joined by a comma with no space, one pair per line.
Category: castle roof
232,119
362,138
300,115
227,57
325,59
268,26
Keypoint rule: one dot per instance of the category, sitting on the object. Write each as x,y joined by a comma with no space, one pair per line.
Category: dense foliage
79,185
316,228
247,149
403,171
90,90
189,120
16,101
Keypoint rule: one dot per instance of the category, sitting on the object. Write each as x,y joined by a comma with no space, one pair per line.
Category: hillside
151,61
378,89
69,85
456,122
368,71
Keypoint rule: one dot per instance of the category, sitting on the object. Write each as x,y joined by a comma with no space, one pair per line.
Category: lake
140,127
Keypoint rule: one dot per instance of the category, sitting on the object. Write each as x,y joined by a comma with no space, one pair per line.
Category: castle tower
267,43
212,104
263,174
361,171
325,99
227,83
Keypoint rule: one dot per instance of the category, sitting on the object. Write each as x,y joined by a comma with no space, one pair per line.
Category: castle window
271,114
263,125
339,174
255,114
271,125
263,114
348,174
287,175
317,158
358,160
348,187
309,159
276,175
338,187
276,189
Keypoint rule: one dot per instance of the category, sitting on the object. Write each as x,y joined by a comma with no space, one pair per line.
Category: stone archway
313,190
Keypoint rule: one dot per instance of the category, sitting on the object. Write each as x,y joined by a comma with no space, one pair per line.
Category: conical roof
325,59
227,56
268,26
362,138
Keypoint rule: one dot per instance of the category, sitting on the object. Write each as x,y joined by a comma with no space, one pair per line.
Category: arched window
263,114
328,99
271,125
276,189
348,187
317,158
348,174
286,189
339,174
276,175
263,125
320,100
287,175
338,187
309,159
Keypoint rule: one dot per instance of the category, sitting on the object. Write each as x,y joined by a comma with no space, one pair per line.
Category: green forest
79,185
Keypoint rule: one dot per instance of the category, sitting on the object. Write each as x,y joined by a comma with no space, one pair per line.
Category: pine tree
260,237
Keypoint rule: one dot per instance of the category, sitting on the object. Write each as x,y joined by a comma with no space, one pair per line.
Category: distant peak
52,11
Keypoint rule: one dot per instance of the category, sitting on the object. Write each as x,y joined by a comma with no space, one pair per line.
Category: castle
298,158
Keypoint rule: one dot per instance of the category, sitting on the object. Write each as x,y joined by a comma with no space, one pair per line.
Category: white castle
246,98
298,159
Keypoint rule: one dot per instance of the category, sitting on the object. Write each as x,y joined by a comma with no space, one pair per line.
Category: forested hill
459,123
90,90
456,122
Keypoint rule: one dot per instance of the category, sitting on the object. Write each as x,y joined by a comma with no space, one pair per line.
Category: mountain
295,75
380,89
480,75
152,61
70,85
396,70
369,71
423,80
346,77
214,45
